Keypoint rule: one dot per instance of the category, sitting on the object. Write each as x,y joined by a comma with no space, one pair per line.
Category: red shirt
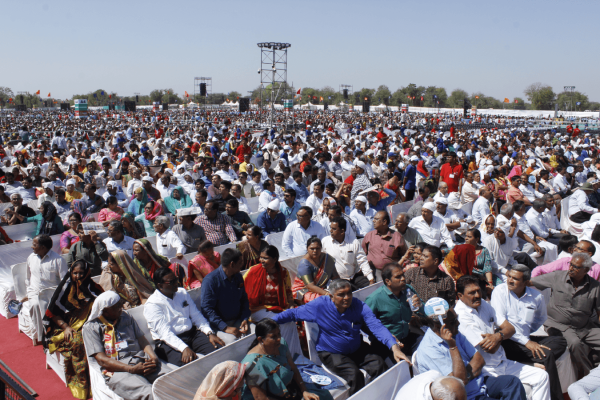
576,132
241,150
454,180
381,137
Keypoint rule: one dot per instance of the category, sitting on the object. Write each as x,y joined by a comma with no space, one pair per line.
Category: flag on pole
421,98
102,93
95,96
299,90
110,96
578,103
48,94
38,92
506,100
516,101
321,98
186,94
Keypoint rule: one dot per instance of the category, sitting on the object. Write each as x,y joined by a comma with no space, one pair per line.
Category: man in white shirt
135,182
478,324
481,208
549,215
168,243
164,186
538,224
298,232
579,206
236,191
45,269
267,195
351,261
452,221
431,228
315,200
525,309
432,385
321,177
334,212
560,183
112,189
362,216
117,240
176,325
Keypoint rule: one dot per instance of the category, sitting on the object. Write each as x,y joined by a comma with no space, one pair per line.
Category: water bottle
409,295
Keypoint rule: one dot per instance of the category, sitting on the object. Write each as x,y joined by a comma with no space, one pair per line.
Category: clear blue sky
498,48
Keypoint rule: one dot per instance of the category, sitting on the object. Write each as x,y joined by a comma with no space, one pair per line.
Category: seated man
168,243
579,206
17,212
92,202
339,344
218,227
112,189
410,235
298,232
271,220
382,245
443,347
525,309
573,319
190,234
334,212
225,305
428,280
289,206
362,216
236,192
435,386
90,249
453,222
241,220
538,224
224,195
351,262
45,269
178,328
117,240
391,306
479,326
563,263
114,341
431,228
529,241
586,388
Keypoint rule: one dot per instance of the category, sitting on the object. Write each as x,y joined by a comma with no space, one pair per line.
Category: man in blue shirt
224,300
438,349
339,344
301,191
377,203
271,220
290,206
410,178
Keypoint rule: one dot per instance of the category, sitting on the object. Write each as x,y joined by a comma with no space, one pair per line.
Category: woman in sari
148,262
152,210
202,264
67,311
138,202
252,247
224,382
488,227
342,197
178,199
316,271
132,228
269,291
112,213
72,194
77,206
270,370
70,236
412,257
123,276
48,221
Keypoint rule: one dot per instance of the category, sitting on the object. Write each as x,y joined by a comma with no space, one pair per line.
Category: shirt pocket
389,250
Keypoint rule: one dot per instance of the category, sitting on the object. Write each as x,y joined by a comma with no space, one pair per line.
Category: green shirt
57,225
393,312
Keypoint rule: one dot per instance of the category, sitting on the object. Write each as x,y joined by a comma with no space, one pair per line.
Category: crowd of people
483,234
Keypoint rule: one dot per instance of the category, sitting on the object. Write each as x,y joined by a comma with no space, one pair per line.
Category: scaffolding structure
273,70
200,80
350,90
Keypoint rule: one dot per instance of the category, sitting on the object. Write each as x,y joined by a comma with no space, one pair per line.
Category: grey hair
507,210
442,183
338,284
164,221
440,391
522,268
539,203
406,216
118,225
16,195
587,260
548,197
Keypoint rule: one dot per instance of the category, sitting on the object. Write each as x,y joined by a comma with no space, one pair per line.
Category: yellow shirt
75,196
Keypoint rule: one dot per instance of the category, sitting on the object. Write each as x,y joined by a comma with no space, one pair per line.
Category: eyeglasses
575,267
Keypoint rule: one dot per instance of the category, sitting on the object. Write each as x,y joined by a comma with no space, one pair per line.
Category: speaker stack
366,104
244,104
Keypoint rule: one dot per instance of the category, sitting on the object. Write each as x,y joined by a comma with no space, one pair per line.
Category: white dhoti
30,319
551,253
288,330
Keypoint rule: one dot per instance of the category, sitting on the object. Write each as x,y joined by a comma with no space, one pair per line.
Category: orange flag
506,100
476,97
38,92
48,94
186,94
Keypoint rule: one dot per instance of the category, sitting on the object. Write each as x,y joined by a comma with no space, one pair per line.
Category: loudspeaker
20,107
244,104
203,89
111,106
467,107
129,105
366,104
137,99
325,107
65,106
345,91
165,107
21,98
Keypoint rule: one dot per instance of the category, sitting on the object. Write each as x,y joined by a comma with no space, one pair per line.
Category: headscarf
222,381
135,276
460,261
140,204
105,300
482,227
156,211
173,204
49,215
255,283
501,253
131,219
158,260
79,208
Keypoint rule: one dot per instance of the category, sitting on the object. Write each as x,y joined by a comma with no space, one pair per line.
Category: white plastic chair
566,223
387,385
54,361
252,204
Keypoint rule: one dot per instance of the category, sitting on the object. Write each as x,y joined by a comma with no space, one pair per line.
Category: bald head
448,388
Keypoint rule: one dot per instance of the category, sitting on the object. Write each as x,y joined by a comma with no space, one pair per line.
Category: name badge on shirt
451,176
122,345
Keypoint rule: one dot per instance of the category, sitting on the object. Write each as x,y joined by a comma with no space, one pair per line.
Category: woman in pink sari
203,264
113,212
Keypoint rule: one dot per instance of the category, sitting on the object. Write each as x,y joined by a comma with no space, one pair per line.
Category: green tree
568,101
5,94
456,98
541,96
382,95
433,95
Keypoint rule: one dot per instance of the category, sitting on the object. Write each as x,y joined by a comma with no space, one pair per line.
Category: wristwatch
501,335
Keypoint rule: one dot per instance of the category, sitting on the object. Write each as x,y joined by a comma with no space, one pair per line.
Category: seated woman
78,207
152,210
224,382
112,212
269,291
70,236
178,199
252,247
4,239
138,202
412,257
132,228
146,259
48,221
67,311
483,262
72,194
270,370
316,271
123,276
202,264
